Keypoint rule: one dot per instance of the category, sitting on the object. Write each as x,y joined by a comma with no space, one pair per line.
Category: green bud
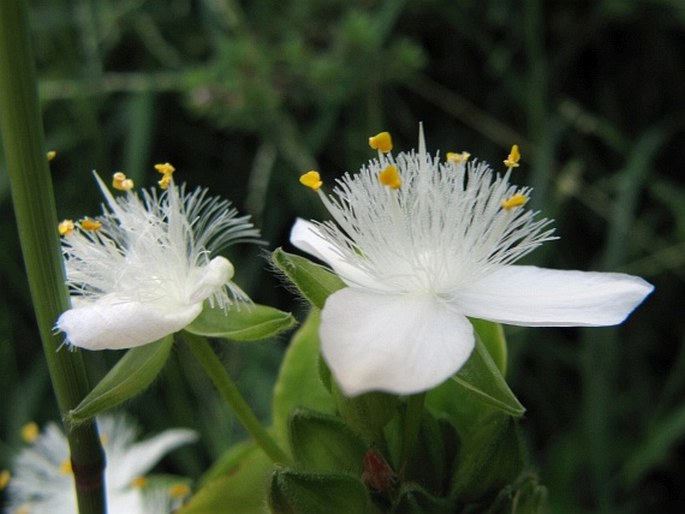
324,443
434,455
294,492
530,497
491,458
367,414
413,499
525,496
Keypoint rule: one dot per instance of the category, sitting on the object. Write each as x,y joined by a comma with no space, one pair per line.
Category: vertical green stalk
32,195
217,373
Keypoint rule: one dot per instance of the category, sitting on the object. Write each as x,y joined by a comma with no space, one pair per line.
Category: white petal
532,296
401,344
141,457
112,323
307,237
211,278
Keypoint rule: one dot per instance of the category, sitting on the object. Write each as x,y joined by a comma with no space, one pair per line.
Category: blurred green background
244,96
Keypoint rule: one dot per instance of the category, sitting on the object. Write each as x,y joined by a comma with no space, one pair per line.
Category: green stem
217,373
412,425
34,207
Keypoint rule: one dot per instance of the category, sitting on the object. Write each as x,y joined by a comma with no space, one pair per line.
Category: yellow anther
513,201
30,431
381,141
51,155
179,491
458,158
165,169
90,225
312,180
390,177
65,467
104,439
514,156
139,482
165,181
66,228
120,182
4,479
24,509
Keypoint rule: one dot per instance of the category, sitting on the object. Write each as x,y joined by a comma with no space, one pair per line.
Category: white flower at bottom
42,481
143,269
421,244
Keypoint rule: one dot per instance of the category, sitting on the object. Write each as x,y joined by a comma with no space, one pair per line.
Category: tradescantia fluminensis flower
42,481
423,243
143,269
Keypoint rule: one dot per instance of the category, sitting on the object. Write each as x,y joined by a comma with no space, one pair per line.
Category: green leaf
294,492
492,335
322,442
315,282
242,488
250,323
134,372
481,377
299,383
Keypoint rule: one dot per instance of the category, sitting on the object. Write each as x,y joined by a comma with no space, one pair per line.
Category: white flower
422,244
143,269
42,481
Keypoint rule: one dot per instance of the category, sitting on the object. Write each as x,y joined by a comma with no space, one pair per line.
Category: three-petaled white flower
143,269
421,244
42,481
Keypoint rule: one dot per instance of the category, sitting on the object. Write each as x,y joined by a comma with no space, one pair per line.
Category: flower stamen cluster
145,267
423,243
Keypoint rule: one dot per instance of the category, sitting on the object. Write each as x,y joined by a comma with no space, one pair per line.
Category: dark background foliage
244,96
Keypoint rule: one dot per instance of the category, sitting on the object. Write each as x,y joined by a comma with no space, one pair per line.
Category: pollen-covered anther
179,491
516,200
312,180
139,482
165,168
51,155
65,468
30,432
66,228
381,142
121,183
165,181
390,177
458,157
90,225
514,157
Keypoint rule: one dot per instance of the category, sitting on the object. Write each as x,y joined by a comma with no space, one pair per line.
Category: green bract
134,372
246,323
